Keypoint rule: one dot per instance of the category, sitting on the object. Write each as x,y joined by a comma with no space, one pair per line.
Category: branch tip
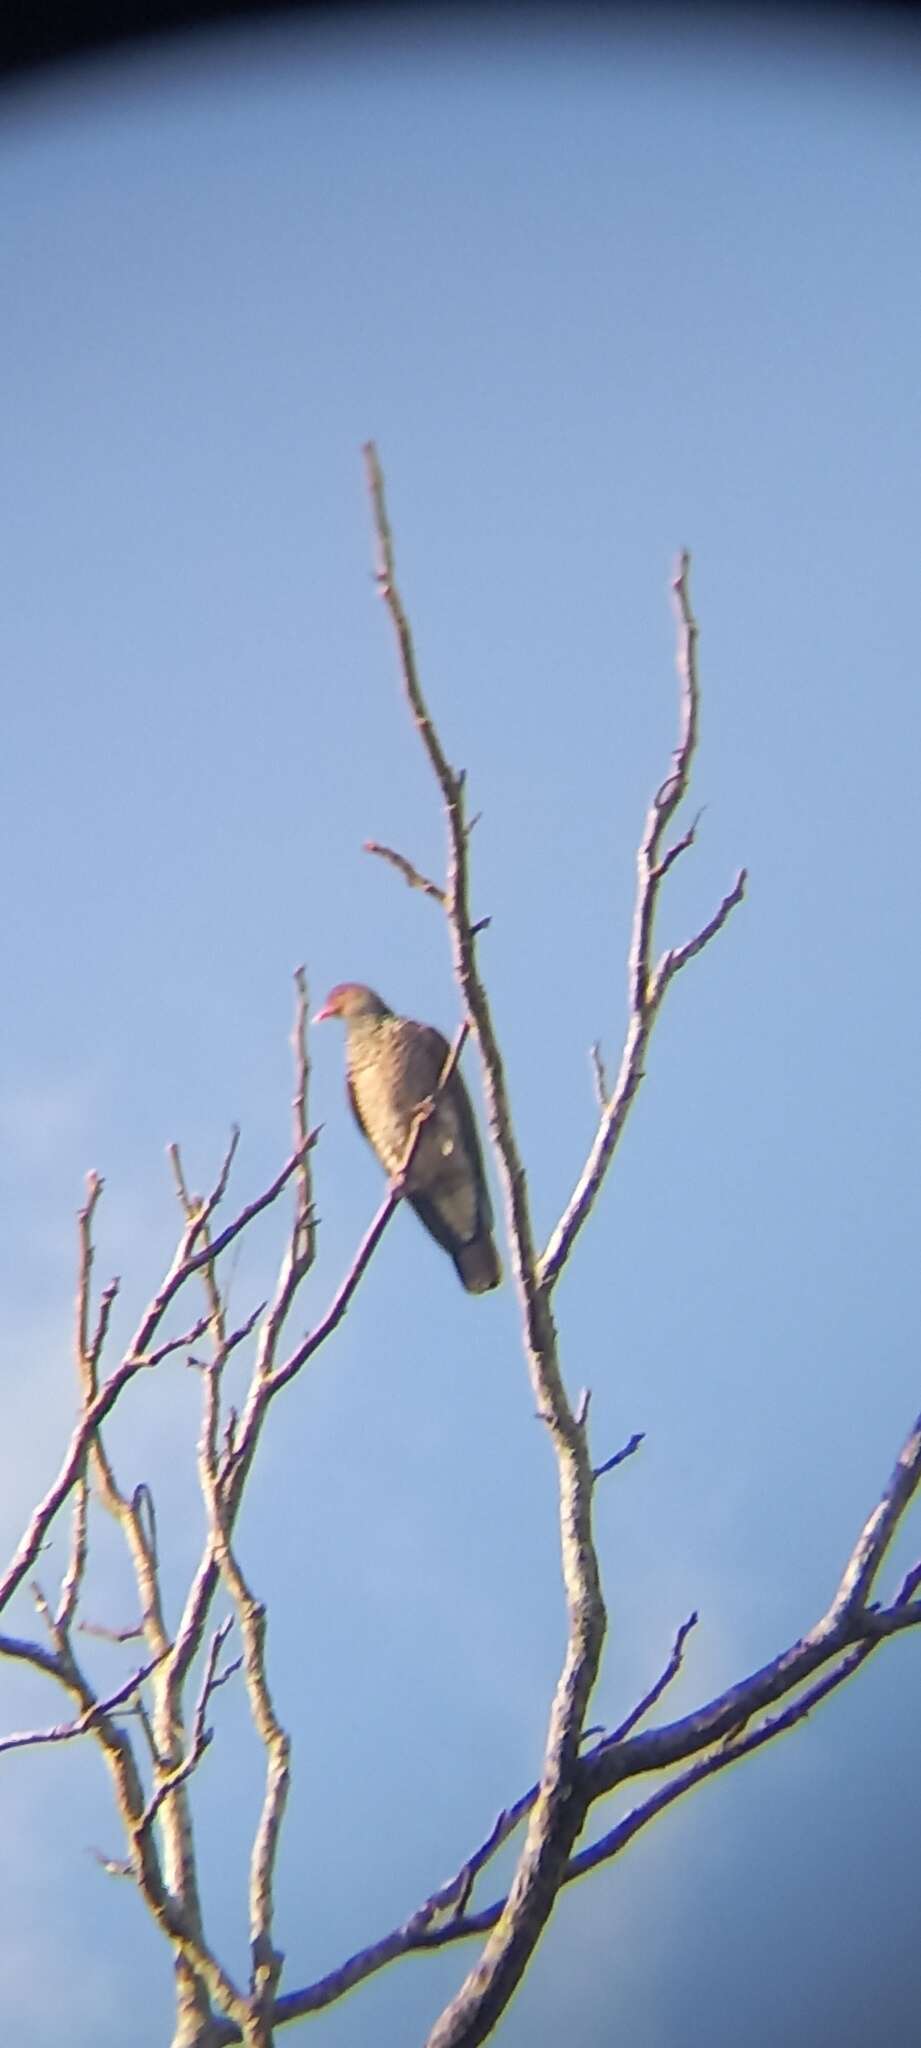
619,1457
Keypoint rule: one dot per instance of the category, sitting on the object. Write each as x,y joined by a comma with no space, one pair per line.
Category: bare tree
153,1728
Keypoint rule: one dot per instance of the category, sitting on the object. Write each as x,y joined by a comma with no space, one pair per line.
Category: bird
393,1066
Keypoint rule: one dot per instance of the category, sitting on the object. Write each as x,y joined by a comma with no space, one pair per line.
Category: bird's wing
425,1055
356,1112
450,1193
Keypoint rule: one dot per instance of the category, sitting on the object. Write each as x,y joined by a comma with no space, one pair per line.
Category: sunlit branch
66,1731
556,1816
405,868
647,984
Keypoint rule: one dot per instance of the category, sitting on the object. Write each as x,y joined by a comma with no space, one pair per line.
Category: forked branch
575,1777
556,1817
646,983
704,1743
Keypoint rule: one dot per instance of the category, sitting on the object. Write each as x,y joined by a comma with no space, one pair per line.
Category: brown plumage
392,1066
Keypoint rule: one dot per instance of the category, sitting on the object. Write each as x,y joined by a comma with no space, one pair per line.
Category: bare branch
453,1898
172,1344
649,1699
909,1585
627,1451
65,1731
678,956
129,1634
142,1502
199,1977
23,1651
441,1918
219,1190
557,1814
184,1265
680,846
572,1779
847,1622
448,781
251,1616
303,1249
88,1348
88,1353
231,1343
240,1439
107,1302
187,1261
405,867
222,1475
224,1485
428,1929
219,1503
182,1188
600,1076
889,1621
646,985
878,1531
140,1709
178,1774
212,1680
172,1914
73,1577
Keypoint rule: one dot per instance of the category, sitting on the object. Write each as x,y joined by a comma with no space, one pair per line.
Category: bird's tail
478,1264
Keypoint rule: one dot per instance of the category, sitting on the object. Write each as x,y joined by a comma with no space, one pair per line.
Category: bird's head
351,1001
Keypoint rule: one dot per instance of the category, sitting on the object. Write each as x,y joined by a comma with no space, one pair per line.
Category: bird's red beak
328,1010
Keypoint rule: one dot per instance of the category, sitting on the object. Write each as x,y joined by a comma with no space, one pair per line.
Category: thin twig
73,1577
405,867
627,1450
680,846
650,1698
678,956
647,985
173,1344
304,1240
909,1585
178,1774
600,1076
448,781
111,1635
66,1731
88,1353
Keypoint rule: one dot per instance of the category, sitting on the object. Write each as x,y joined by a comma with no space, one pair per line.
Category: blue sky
597,295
